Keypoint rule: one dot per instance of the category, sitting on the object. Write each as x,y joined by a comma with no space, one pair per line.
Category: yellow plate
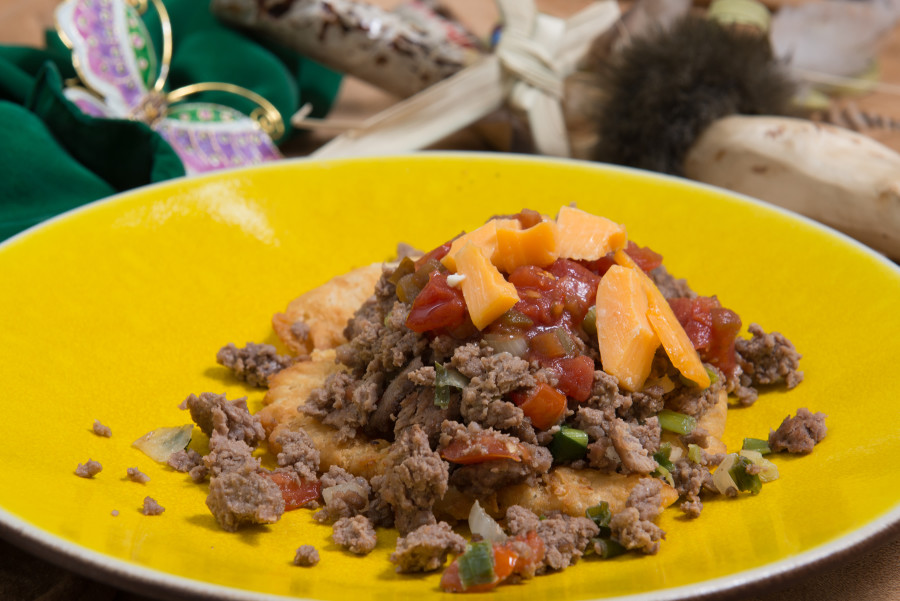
115,312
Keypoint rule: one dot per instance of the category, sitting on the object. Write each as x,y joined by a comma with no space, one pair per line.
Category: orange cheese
586,236
674,339
487,293
535,246
484,237
626,339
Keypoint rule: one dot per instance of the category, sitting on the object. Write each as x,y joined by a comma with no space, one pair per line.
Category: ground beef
299,453
89,469
381,421
799,434
606,396
695,401
484,478
426,548
345,495
383,344
306,556
244,496
767,359
596,423
301,330
418,408
690,480
670,286
414,478
356,534
214,413
151,507
136,475
254,363
345,402
632,526
184,460
101,430
565,537
226,455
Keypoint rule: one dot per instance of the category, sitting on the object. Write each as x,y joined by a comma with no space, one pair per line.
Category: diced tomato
577,285
528,218
297,492
486,446
576,376
547,345
437,254
507,561
711,328
533,277
645,258
438,306
545,406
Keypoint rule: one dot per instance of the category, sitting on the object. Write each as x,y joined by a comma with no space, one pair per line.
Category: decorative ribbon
527,71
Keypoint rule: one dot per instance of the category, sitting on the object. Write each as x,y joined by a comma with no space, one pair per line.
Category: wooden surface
865,575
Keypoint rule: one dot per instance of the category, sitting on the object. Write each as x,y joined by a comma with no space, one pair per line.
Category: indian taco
544,381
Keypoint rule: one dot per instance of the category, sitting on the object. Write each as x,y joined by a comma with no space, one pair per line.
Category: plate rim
159,584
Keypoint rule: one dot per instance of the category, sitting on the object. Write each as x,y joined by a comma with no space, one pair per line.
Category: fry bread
325,310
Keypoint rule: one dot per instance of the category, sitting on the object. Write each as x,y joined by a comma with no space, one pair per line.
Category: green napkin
54,158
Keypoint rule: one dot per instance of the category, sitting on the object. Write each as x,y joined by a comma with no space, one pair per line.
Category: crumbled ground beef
632,526
635,458
418,408
484,478
766,359
356,534
799,434
184,460
151,507
306,556
381,423
101,430
694,401
89,469
345,495
414,478
227,455
345,402
426,548
244,496
136,475
299,453
214,413
381,343
301,330
690,480
565,537
670,286
253,363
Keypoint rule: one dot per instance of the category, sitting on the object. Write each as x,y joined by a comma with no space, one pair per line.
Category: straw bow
535,54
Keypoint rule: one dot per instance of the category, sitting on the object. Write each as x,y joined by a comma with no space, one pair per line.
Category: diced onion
159,444
514,344
352,486
484,525
455,279
721,478
769,471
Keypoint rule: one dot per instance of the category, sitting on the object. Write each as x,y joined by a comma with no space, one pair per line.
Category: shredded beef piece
214,413
381,421
101,430
184,460
298,452
632,526
136,475
482,479
695,401
565,537
345,402
799,434
306,556
227,455
244,496
670,286
254,363
356,534
89,469
151,507
426,548
767,359
345,495
414,478
418,408
690,479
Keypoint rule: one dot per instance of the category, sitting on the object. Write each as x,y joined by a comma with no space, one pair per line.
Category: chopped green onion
476,565
663,454
407,289
607,548
713,375
600,514
744,480
589,323
695,453
756,444
676,422
443,379
565,339
768,470
407,266
568,444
